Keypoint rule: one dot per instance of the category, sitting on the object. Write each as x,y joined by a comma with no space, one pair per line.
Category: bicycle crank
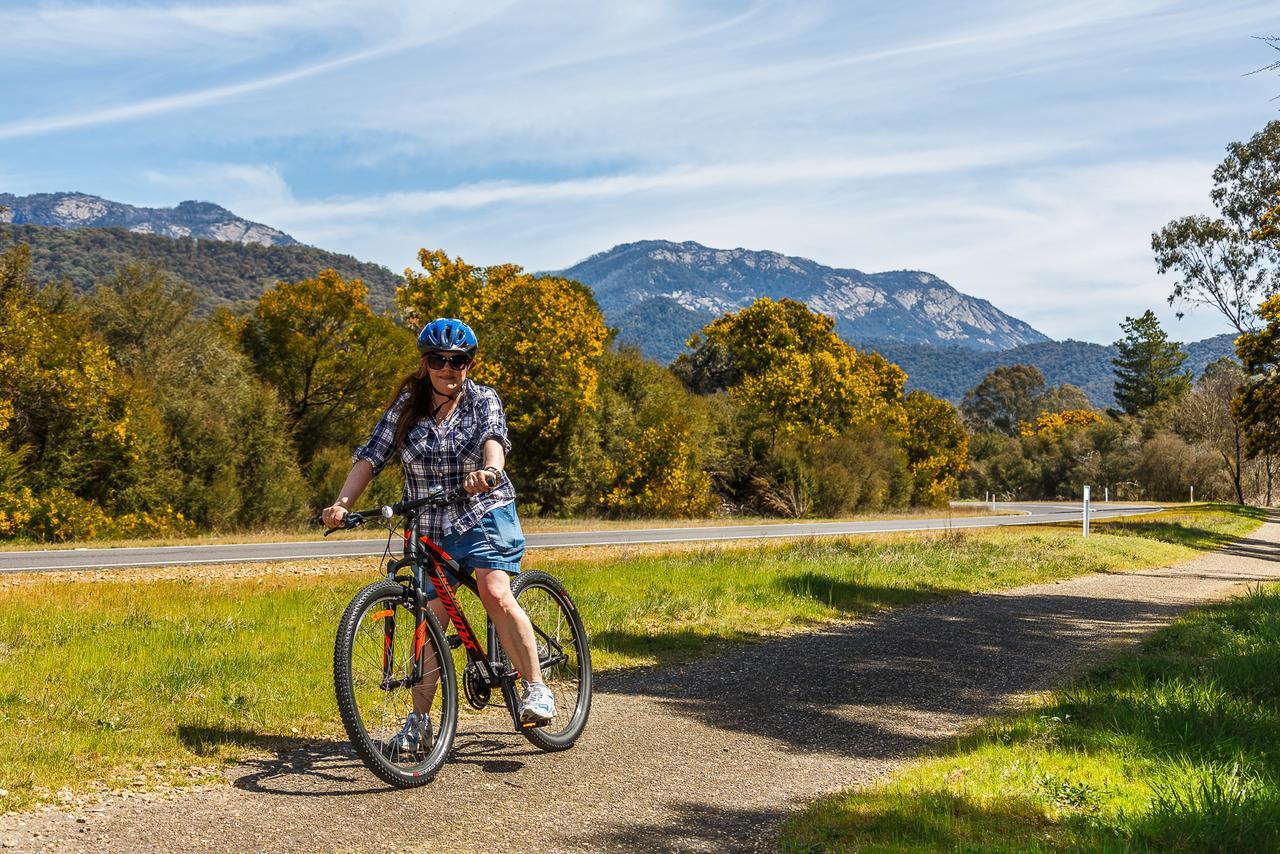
475,686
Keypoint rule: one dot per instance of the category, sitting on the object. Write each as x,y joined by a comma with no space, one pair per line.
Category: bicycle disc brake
474,686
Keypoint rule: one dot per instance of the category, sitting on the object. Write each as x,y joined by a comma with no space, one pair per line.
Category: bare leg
425,691
512,623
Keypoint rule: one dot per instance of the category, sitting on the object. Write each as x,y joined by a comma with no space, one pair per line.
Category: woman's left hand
480,480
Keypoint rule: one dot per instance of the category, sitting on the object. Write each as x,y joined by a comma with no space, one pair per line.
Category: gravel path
704,757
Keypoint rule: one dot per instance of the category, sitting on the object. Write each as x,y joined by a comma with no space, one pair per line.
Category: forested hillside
221,272
950,372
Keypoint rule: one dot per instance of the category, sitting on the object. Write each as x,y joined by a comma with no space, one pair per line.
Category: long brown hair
418,406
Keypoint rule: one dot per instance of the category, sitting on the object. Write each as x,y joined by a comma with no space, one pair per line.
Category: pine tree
1149,367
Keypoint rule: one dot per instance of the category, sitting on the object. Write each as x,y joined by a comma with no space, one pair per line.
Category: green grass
125,681
1174,747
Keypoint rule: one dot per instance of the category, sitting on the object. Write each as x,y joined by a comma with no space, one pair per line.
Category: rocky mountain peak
686,285
187,219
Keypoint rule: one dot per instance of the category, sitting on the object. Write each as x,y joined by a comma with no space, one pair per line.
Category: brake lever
351,520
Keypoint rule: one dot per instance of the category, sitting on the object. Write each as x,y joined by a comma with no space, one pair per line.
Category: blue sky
1023,151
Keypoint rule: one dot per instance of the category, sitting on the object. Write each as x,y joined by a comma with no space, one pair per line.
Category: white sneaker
414,737
537,706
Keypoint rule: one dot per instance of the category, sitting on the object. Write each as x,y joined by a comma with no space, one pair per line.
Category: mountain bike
390,645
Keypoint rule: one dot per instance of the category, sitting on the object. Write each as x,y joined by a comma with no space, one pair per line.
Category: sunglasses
437,362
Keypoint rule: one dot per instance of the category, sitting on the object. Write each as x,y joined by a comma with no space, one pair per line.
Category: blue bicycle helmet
447,333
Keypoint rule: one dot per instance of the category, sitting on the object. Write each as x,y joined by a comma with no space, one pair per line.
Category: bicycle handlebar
436,497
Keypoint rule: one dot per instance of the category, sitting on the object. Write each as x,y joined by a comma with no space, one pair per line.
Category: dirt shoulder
707,756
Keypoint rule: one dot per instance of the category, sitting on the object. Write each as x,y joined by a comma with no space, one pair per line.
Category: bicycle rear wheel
564,656
373,663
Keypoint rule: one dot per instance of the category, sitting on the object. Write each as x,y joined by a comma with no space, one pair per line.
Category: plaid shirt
443,454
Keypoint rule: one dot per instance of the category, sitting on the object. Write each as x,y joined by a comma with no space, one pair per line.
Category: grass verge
131,682
1173,747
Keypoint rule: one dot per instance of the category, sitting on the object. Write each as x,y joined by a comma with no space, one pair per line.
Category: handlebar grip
353,519
436,498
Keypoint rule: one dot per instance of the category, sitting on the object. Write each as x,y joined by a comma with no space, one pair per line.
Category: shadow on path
695,827
322,769
888,688
857,690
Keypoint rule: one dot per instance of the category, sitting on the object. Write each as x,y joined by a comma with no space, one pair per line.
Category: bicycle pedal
454,641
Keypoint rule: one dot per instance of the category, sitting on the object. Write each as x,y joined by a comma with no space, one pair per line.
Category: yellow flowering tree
937,448
658,475
330,358
68,409
814,399
655,443
541,340
1050,423
785,363
1268,224
80,441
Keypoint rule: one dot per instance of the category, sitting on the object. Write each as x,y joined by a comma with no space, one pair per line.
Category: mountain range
188,219
658,293
950,372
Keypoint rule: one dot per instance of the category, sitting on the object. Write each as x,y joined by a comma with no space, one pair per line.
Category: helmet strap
448,398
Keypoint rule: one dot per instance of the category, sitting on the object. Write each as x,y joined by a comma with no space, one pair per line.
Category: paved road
69,559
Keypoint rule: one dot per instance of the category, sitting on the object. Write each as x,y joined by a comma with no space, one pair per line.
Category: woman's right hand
333,515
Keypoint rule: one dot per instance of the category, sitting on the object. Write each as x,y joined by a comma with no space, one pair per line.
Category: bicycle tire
371,712
554,616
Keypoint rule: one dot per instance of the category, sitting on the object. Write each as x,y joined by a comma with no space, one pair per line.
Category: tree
1064,398
1148,368
1006,397
654,442
329,357
937,449
72,417
1257,408
1228,263
830,428
787,366
1054,422
1206,416
541,341
1269,226
227,432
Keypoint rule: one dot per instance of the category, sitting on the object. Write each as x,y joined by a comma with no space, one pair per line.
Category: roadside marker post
1106,494
1086,511
1193,495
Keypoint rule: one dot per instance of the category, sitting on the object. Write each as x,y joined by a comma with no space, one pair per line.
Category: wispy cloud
1023,151
72,33
686,179
257,20
180,101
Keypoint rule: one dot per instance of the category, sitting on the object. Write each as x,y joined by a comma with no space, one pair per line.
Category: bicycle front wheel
387,665
564,656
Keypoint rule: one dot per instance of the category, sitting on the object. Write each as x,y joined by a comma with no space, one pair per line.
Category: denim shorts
495,542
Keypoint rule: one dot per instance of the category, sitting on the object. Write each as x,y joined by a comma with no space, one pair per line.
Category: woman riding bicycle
450,432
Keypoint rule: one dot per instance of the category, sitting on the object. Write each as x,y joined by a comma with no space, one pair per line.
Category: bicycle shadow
287,766
313,768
